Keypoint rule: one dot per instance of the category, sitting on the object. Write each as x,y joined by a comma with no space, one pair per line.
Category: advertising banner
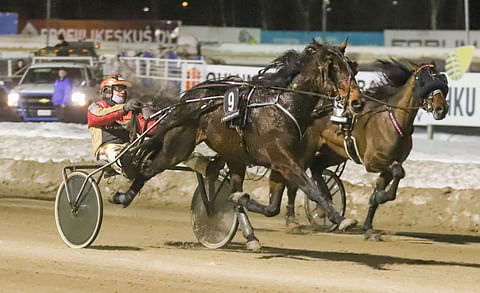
426,38
335,38
464,109
159,31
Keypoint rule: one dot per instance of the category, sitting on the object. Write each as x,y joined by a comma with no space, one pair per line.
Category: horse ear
354,66
433,63
414,65
343,45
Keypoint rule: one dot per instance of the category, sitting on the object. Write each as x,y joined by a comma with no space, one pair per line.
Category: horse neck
404,100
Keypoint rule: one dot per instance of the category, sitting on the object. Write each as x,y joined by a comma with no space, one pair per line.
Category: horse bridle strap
351,148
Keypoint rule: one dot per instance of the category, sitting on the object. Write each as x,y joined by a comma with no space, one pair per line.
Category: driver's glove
132,105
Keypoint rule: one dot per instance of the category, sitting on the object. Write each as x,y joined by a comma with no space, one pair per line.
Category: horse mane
394,76
287,66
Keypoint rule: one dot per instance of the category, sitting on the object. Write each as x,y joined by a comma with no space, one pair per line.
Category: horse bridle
426,103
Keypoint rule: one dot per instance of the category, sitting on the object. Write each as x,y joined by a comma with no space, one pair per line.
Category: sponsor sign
426,38
335,38
216,72
458,61
164,32
462,96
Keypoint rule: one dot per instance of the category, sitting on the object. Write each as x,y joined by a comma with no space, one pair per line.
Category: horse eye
311,50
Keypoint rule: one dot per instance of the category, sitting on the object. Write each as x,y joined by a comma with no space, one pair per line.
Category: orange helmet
106,87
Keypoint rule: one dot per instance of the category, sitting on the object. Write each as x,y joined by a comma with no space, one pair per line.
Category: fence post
430,131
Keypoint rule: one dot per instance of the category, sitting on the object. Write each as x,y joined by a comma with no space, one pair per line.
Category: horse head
431,89
326,69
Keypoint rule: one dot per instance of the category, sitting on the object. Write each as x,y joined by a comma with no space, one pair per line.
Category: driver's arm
99,115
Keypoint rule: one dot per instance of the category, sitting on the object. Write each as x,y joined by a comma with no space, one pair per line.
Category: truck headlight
12,100
79,99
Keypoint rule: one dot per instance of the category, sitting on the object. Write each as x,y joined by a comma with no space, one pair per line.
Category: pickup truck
30,100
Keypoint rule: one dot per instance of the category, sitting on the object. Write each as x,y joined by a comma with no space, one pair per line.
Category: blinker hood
422,92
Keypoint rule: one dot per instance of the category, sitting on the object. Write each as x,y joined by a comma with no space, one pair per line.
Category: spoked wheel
78,223
336,193
214,219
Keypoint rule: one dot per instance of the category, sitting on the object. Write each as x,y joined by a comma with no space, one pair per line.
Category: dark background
342,15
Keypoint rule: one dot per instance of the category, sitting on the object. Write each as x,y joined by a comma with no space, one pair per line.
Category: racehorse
383,130
270,130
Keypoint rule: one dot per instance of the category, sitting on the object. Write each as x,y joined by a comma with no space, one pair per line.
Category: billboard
426,38
305,37
158,31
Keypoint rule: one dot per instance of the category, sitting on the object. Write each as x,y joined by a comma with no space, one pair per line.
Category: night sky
343,15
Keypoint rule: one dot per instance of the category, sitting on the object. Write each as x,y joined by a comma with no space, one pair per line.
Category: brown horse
383,130
271,130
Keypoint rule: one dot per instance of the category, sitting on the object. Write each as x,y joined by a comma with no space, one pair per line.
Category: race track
153,249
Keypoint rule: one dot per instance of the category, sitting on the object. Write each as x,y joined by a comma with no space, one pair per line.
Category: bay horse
382,131
272,128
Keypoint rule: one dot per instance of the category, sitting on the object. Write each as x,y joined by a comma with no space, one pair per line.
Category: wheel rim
218,229
314,213
79,229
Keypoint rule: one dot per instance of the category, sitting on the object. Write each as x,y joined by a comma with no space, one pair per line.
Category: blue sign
335,38
8,23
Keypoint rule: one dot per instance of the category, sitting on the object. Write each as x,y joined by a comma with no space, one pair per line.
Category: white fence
182,74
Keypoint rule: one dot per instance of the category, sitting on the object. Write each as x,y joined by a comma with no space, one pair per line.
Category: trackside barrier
177,73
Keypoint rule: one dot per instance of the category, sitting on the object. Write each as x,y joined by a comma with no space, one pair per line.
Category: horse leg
276,191
290,218
237,176
125,198
296,175
380,195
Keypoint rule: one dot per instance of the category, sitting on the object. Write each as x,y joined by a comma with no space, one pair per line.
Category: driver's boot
123,198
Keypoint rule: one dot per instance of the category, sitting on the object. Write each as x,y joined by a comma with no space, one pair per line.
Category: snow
446,161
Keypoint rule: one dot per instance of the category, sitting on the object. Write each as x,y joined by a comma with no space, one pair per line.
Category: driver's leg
109,152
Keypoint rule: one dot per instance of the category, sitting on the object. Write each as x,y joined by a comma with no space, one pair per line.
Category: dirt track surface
153,249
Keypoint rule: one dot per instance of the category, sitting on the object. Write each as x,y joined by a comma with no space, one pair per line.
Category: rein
243,83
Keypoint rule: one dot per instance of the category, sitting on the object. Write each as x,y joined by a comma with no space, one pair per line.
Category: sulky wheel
79,223
214,219
336,192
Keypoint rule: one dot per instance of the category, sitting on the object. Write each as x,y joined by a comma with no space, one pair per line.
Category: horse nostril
356,105
440,110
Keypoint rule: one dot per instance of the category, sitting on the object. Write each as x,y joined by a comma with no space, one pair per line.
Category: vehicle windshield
49,75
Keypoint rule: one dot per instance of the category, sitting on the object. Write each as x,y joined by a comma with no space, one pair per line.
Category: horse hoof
373,235
239,197
253,245
291,223
346,224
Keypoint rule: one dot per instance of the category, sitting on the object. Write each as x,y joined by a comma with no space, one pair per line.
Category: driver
108,119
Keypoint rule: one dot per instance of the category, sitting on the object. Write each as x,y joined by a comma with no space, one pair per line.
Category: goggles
119,88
